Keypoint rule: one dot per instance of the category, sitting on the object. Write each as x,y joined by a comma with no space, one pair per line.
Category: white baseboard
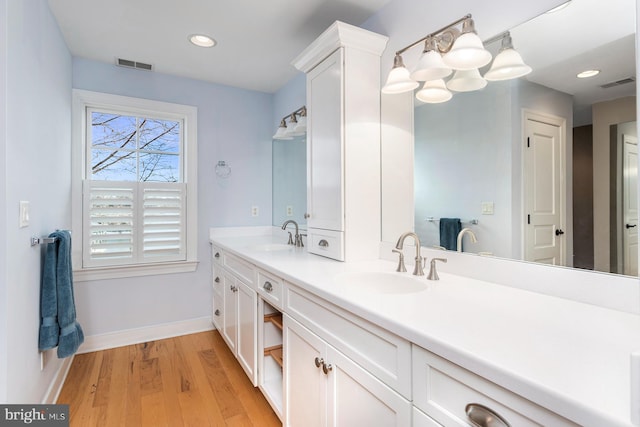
148,333
55,387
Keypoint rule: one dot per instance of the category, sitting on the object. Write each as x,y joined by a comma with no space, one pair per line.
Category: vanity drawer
270,288
383,354
326,243
240,268
443,390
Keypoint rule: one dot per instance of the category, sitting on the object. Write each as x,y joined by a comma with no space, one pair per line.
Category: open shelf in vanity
271,360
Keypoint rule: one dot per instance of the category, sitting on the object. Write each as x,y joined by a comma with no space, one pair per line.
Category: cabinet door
247,329
357,398
305,383
324,145
229,311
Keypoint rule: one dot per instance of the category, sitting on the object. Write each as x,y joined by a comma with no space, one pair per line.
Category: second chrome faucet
298,237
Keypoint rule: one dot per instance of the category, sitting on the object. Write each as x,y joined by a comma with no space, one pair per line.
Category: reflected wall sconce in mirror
296,126
451,49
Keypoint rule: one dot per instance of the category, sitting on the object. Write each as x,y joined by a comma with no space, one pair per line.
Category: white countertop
570,357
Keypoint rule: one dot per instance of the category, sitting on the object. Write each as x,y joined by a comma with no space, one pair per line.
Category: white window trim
83,99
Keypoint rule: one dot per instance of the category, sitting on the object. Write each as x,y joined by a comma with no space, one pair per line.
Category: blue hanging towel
449,229
57,306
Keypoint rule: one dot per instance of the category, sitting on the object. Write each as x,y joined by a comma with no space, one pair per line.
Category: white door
305,381
544,236
630,204
324,145
247,329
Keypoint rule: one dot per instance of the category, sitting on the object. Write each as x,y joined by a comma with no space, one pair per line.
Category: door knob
631,225
559,232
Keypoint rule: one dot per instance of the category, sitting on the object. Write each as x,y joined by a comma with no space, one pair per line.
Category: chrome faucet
298,237
418,269
461,235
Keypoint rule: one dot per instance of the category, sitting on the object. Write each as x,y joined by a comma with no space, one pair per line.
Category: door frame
561,122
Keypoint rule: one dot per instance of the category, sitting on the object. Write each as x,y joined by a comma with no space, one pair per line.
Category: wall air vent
133,64
618,82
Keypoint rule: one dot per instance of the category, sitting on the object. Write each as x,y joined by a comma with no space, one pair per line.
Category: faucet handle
433,273
290,242
401,268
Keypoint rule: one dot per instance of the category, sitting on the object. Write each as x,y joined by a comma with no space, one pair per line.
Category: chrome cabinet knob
307,216
267,286
217,280
217,312
326,368
319,362
217,255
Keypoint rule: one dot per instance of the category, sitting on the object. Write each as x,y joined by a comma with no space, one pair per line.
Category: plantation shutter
133,222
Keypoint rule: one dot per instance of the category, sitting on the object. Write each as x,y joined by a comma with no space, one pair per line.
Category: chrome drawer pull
268,286
217,313
323,243
319,361
217,255
481,416
217,280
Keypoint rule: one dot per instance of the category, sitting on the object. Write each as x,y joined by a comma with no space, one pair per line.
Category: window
134,187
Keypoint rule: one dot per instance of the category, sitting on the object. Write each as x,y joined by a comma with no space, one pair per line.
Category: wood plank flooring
191,380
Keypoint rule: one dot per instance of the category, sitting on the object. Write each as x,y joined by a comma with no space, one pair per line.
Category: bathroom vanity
365,345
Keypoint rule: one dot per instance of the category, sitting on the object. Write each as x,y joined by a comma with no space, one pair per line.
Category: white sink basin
383,283
271,247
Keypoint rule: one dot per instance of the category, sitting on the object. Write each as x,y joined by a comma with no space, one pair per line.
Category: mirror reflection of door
544,171
630,204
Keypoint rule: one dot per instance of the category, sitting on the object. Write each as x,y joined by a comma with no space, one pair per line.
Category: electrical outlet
254,211
289,210
487,208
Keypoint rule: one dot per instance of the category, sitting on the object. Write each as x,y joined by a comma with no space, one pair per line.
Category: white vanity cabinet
326,388
447,392
343,142
236,308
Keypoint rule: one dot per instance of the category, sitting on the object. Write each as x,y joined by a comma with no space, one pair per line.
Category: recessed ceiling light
588,73
558,8
202,40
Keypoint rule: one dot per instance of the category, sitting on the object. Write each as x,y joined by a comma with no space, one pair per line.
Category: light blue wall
35,150
234,125
4,319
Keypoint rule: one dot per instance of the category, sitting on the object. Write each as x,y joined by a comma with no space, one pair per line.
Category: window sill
124,271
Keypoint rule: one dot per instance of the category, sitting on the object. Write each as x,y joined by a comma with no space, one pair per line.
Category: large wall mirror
289,185
472,160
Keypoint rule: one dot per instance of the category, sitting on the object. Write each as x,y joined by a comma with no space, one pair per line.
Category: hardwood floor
192,380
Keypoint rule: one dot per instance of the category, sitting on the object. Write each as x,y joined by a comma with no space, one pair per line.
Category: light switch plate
487,208
24,214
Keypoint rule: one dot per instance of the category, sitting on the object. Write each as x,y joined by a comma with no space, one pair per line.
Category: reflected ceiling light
508,64
295,127
466,81
458,48
398,80
430,66
202,40
467,51
434,92
588,73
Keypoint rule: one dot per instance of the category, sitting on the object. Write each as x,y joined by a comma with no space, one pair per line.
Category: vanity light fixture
588,73
202,40
508,64
451,49
297,124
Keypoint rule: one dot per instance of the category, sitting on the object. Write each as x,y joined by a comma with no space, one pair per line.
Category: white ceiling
256,39
587,34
